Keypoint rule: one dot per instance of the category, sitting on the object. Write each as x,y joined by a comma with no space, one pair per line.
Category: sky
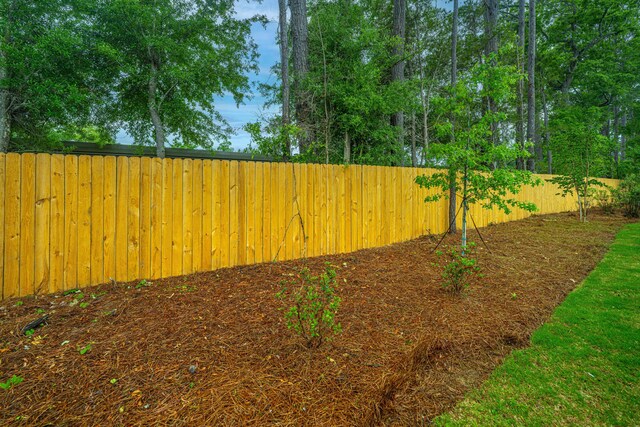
265,38
253,107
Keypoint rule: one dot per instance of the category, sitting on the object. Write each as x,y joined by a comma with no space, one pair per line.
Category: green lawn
583,366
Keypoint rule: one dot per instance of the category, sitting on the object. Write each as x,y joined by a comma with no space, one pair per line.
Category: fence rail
71,221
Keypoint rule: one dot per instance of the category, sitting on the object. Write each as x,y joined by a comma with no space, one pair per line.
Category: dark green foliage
578,150
628,196
53,79
313,305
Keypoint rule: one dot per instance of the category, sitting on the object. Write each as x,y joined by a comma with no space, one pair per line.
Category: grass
583,366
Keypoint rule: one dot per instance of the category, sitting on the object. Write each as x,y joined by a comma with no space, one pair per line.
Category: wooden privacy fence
71,221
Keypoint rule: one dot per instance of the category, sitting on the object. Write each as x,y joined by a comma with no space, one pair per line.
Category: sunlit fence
71,221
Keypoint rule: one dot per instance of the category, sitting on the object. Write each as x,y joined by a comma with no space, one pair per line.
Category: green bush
312,305
605,200
628,196
459,267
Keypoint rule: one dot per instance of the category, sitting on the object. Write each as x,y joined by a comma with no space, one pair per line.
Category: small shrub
458,268
628,196
604,200
314,305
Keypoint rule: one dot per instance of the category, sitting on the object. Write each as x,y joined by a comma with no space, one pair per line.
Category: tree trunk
491,25
623,137
464,210
414,156
300,51
453,228
325,97
520,162
284,70
491,47
454,45
547,140
347,148
155,113
424,99
616,136
5,114
531,93
397,71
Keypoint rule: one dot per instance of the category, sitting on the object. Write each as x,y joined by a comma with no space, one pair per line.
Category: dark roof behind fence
89,148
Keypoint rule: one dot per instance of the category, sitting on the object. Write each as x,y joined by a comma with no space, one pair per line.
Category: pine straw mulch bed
408,351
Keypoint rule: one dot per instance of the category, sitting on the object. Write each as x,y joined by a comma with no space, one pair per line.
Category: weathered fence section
71,221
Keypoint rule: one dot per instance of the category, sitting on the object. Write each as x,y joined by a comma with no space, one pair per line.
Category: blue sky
253,108
265,37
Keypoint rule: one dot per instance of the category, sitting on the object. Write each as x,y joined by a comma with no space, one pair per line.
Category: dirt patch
213,349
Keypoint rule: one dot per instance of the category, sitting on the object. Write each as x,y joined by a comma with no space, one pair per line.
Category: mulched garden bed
213,348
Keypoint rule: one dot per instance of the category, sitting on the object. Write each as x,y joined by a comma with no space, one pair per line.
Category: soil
213,348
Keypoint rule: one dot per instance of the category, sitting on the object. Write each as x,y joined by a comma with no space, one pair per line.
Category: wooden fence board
323,211
234,213
122,202
176,230
145,218
197,215
12,223
307,202
56,283
133,220
281,210
266,219
156,218
166,267
71,222
339,208
216,210
97,219
84,220
42,223
2,211
109,218
250,203
258,214
224,234
296,213
27,226
207,214
187,216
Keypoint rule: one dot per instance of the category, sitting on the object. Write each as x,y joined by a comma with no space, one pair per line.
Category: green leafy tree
169,59
349,79
50,76
472,152
274,140
580,153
